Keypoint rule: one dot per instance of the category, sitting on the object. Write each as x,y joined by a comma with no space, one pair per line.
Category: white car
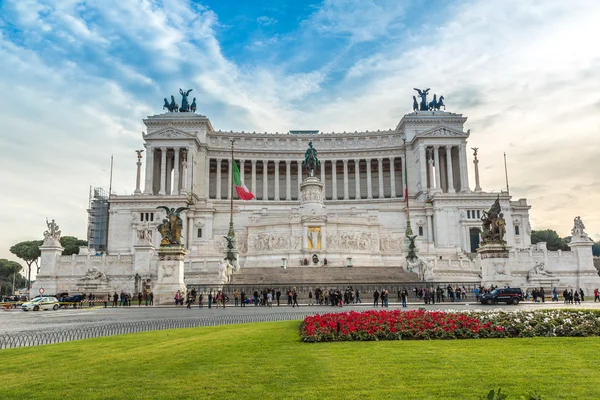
41,303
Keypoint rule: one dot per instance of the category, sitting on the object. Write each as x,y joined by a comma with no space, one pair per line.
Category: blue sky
77,78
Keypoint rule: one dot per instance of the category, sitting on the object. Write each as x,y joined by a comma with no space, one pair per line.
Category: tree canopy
29,252
553,241
71,245
7,270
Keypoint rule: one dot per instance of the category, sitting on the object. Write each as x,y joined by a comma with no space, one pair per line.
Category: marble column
242,175
334,179
369,181
219,161
190,229
357,178
169,183
346,196
392,178
265,180
299,177
430,168
229,179
149,169
206,178
190,171
184,170
476,162
323,174
436,163
288,179
449,170
380,177
175,184
138,175
253,190
163,170
429,228
464,173
423,167
276,180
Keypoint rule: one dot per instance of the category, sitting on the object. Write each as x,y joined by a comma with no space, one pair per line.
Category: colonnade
355,179
167,171
446,169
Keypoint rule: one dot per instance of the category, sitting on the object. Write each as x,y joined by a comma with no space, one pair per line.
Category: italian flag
241,189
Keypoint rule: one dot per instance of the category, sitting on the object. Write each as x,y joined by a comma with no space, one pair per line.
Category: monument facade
346,205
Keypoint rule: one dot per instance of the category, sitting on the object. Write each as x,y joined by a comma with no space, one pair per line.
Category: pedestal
495,268
170,274
47,277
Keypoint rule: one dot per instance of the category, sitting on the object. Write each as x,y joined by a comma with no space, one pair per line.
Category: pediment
442,131
169,133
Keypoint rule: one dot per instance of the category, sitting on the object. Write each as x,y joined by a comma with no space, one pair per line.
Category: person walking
236,298
200,300
139,299
554,295
596,295
403,296
243,298
210,299
310,298
151,298
269,299
278,296
115,299
581,294
295,299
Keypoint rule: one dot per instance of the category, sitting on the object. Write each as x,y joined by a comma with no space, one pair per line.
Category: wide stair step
298,275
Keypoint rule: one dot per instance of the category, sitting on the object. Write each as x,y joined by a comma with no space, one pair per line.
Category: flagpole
409,231
231,231
506,174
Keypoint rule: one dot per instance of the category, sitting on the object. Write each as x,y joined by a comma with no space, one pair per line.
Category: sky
78,77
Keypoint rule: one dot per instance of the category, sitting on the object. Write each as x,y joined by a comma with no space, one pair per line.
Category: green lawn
258,361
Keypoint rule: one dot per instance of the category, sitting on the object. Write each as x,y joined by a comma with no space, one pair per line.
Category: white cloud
263,20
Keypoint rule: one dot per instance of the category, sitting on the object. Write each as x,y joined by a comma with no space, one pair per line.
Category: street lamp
284,263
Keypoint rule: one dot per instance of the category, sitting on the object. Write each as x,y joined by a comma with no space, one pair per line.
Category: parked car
41,303
504,295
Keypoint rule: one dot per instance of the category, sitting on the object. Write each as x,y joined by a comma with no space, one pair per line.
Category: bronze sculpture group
436,104
185,105
171,227
493,225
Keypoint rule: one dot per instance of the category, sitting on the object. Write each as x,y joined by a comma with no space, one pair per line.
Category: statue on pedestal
52,235
493,224
578,228
171,227
311,162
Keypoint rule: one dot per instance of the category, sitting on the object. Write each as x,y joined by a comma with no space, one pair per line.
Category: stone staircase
298,275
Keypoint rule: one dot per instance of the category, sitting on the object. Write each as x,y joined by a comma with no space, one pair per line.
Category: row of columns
433,168
172,159
288,188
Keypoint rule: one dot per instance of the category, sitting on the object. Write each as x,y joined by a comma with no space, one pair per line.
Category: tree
71,245
9,273
553,241
29,252
596,249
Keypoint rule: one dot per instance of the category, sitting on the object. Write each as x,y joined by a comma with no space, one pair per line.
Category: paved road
17,321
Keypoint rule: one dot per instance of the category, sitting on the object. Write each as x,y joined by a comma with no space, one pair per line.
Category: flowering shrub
406,325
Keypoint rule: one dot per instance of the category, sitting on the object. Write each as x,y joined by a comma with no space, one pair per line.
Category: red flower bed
395,325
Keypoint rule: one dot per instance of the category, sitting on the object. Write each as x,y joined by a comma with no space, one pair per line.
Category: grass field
262,361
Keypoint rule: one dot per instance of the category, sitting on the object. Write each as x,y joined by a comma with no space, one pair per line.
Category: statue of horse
193,105
173,107
433,104
311,161
415,103
167,105
440,103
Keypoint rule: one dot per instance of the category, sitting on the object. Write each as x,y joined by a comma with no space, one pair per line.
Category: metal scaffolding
97,219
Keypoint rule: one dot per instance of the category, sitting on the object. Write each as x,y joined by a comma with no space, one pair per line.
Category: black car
505,295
